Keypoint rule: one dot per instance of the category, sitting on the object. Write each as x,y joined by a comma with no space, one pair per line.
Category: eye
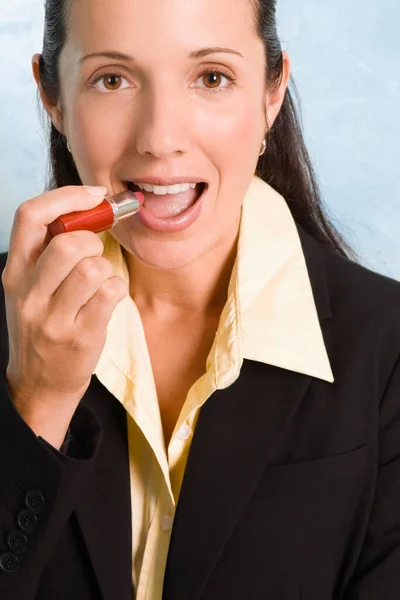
214,77
110,81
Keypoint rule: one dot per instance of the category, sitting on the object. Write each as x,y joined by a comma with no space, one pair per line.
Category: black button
17,541
27,521
34,500
9,563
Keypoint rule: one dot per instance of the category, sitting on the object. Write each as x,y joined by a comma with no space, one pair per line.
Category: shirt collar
270,315
277,311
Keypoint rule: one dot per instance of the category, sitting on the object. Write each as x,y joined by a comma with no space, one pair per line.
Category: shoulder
362,305
349,283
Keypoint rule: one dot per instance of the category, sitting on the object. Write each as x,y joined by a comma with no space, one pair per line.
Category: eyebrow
201,53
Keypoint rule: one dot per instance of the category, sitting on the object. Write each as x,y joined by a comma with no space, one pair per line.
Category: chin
164,255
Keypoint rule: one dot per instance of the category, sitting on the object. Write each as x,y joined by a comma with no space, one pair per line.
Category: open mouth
169,205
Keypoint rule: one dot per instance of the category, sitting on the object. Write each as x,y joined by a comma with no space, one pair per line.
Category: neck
197,289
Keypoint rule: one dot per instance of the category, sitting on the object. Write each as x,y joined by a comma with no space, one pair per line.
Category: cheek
97,136
244,142
233,149
232,135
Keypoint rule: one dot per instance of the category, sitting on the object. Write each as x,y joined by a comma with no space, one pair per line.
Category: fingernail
99,191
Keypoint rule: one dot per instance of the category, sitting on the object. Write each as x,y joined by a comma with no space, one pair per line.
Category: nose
163,129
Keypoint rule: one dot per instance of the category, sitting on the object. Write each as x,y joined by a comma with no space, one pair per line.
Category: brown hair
286,163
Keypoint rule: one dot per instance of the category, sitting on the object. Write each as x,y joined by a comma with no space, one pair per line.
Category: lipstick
105,216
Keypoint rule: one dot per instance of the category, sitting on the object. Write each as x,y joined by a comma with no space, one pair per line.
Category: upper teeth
161,190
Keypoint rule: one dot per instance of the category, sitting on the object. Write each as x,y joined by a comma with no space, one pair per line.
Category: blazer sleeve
39,485
38,490
377,574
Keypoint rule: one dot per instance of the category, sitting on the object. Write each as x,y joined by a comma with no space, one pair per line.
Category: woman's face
159,114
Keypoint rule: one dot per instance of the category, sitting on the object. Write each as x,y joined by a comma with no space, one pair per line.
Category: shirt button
184,432
166,522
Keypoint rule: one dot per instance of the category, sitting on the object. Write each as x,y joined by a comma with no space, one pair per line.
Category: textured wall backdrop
346,63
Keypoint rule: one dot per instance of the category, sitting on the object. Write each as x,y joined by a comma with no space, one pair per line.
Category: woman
239,362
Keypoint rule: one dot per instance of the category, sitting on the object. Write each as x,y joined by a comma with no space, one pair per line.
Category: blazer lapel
237,435
104,510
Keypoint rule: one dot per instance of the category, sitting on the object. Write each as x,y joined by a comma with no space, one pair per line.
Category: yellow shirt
270,316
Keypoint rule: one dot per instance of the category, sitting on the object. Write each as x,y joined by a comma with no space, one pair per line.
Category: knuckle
123,288
108,290
71,249
66,246
89,269
119,288
28,314
27,321
6,279
24,212
75,244
89,241
96,269
106,267
78,343
98,245
51,332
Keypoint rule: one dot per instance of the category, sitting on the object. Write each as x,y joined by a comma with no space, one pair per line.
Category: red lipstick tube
102,217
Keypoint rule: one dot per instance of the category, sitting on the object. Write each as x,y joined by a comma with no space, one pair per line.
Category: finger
60,258
29,231
96,314
79,287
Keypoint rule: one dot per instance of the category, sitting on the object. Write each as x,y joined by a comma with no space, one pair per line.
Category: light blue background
346,62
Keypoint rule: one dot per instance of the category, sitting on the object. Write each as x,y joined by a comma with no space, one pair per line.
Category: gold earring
264,147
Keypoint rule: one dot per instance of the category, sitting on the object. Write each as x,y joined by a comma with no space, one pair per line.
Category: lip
173,224
166,181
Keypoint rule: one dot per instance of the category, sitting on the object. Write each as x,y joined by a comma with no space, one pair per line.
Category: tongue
171,204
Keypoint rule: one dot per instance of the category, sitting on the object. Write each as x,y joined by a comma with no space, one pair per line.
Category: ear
274,101
54,111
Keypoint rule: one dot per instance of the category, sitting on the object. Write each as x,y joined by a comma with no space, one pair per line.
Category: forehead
155,23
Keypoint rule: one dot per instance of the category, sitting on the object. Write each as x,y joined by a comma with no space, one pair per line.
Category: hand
60,295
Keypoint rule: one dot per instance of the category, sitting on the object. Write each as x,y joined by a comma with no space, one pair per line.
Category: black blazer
299,479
